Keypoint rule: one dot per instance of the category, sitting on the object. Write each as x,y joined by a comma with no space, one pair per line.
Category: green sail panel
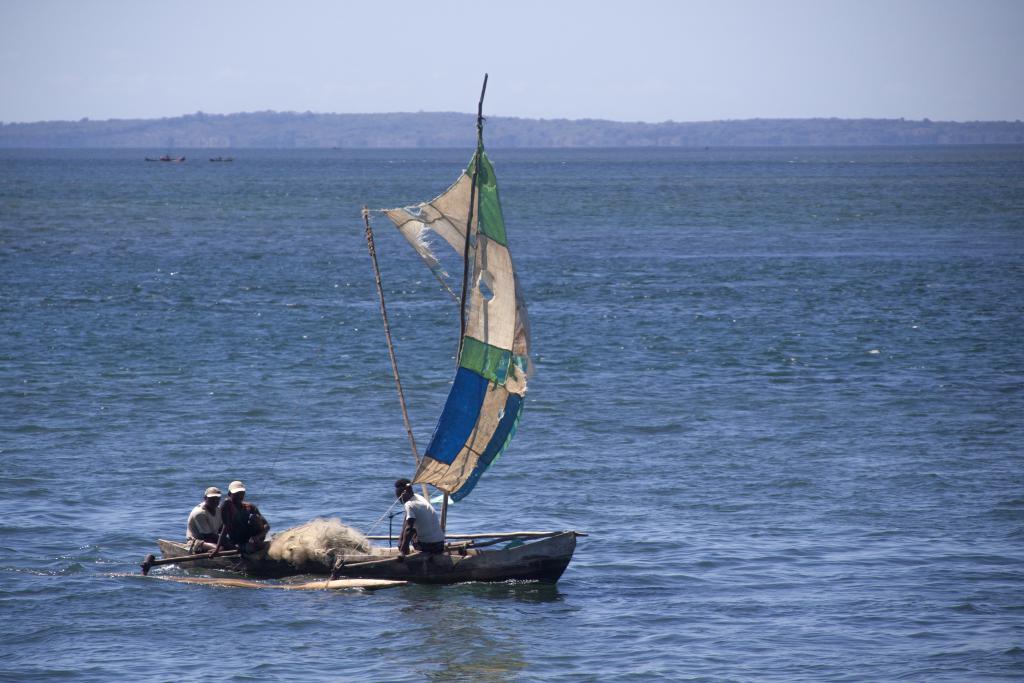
492,223
485,360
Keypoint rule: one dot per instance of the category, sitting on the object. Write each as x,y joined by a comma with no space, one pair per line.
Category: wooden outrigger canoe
527,556
480,415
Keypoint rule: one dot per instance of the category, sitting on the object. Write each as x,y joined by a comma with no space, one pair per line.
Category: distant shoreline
193,154
425,130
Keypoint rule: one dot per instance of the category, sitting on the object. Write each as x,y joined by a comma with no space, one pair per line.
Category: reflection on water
521,591
470,631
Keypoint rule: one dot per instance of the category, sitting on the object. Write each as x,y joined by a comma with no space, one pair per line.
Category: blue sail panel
459,417
501,438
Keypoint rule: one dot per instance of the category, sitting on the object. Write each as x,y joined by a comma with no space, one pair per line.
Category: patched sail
482,411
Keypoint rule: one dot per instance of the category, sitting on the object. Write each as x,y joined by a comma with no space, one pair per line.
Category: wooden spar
151,560
507,534
480,115
387,334
465,250
374,563
469,220
332,584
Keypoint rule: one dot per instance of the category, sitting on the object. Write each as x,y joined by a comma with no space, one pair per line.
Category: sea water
782,390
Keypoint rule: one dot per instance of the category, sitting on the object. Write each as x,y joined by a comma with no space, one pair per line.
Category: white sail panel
492,302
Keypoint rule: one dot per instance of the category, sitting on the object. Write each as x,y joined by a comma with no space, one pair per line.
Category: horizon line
200,113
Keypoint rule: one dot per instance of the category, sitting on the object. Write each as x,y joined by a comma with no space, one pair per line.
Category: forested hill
295,130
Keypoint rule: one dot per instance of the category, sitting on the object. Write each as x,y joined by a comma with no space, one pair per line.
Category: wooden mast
469,220
465,248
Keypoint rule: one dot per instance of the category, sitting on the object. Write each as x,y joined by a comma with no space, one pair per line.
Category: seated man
244,527
204,523
422,528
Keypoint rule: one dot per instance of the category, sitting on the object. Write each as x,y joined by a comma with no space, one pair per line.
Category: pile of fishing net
319,540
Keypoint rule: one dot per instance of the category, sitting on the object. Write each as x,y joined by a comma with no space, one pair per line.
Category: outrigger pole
391,347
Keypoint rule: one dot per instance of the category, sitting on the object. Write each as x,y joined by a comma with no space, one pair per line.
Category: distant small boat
167,157
224,159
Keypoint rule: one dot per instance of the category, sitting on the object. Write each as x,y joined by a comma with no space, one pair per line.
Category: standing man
244,527
421,528
204,523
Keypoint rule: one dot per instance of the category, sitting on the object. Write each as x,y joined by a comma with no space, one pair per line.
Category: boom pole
391,347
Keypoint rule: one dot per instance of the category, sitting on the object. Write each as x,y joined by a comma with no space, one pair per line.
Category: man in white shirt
204,523
422,528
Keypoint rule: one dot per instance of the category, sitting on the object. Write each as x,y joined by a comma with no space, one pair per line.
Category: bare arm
406,537
220,540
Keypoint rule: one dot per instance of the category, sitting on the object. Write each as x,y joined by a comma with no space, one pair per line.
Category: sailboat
483,408
484,405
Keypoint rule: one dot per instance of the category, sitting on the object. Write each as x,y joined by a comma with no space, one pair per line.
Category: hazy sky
630,60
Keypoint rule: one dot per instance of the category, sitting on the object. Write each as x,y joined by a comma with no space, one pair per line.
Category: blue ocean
781,390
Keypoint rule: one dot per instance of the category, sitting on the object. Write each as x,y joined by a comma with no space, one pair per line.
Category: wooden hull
543,560
257,565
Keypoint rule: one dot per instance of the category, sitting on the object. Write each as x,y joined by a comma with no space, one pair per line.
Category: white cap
213,492
236,486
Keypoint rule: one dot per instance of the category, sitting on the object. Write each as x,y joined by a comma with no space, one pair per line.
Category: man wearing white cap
244,527
204,523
